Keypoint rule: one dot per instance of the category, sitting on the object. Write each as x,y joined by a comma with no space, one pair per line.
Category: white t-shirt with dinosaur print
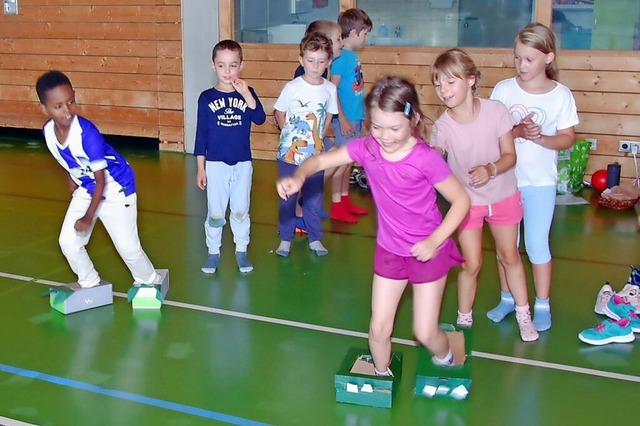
306,107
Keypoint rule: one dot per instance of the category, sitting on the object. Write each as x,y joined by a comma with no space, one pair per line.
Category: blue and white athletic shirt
85,152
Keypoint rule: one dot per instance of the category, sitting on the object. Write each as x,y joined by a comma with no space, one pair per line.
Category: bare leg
427,299
385,296
507,249
471,243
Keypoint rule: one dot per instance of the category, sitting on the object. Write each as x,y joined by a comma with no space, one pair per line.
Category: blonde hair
541,38
394,94
323,26
455,63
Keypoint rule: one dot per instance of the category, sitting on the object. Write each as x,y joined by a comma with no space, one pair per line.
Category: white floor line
343,332
5,421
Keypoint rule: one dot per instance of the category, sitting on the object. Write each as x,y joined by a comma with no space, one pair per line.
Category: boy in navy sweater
223,153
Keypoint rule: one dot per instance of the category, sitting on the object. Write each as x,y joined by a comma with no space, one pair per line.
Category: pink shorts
506,212
394,267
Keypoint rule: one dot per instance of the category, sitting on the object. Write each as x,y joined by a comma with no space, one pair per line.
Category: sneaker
603,298
618,308
634,276
465,320
528,332
608,332
359,177
211,264
631,294
352,176
363,181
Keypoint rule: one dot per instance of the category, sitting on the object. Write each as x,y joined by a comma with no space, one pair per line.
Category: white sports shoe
631,294
604,295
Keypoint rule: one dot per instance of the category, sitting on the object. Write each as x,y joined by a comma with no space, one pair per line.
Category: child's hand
201,179
424,250
479,175
288,186
529,129
240,86
345,127
83,224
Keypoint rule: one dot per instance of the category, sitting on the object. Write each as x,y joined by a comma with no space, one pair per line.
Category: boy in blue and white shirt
102,183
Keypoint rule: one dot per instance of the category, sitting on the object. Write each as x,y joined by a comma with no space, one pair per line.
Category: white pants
119,218
228,186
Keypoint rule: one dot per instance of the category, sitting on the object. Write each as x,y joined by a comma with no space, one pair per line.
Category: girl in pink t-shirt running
475,134
413,241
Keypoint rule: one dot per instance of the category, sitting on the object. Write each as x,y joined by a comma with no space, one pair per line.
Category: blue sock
211,264
243,262
504,308
542,314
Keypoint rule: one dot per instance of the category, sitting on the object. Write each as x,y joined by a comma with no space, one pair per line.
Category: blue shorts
341,140
394,267
328,143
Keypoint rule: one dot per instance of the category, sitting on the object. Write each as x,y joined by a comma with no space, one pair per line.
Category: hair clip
407,108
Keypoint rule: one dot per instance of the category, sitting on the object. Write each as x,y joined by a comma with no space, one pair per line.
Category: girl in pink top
476,136
414,241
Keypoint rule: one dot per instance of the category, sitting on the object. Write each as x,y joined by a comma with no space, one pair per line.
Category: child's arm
456,195
562,140
479,175
289,185
345,125
201,174
280,116
528,129
327,124
84,223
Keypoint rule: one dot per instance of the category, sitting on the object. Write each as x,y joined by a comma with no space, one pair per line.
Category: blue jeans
312,191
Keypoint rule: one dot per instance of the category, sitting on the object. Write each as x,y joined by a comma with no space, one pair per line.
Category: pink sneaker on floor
528,332
603,298
631,294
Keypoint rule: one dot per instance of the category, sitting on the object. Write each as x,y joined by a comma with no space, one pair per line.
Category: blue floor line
213,415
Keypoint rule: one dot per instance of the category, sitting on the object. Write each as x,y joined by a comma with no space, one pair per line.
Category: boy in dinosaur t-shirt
303,111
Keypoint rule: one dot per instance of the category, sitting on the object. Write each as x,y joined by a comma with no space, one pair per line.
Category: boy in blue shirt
102,183
223,153
346,74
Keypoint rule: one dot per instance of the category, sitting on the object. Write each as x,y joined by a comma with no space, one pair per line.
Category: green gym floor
263,348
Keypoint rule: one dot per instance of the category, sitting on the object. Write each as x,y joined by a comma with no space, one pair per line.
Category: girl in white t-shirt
476,136
545,113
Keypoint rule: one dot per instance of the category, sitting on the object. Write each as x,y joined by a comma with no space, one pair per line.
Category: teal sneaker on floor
618,307
609,331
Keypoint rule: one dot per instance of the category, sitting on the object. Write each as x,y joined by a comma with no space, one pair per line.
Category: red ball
599,180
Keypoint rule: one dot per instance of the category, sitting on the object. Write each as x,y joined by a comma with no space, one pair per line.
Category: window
597,24
466,23
280,21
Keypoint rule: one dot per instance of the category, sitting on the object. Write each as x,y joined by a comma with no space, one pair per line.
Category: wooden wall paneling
123,57
227,13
